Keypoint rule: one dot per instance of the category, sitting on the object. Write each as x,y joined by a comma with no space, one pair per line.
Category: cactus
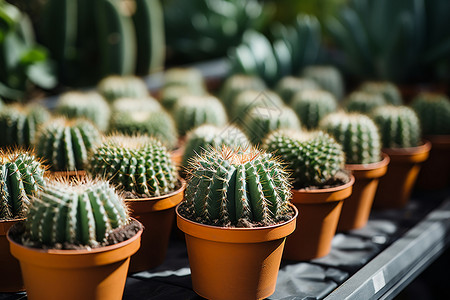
74,213
89,105
65,144
433,111
19,124
190,78
288,86
234,187
238,83
312,105
260,121
21,175
115,87
193,111
245,101
399,126
363,102
387,89
200,138
357,134
327,77
314,157
171,94
137,164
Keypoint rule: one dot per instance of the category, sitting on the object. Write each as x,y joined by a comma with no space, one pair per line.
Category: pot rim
173,193
411,154
372,170
6,224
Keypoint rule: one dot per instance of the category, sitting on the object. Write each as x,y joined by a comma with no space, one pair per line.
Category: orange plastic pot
234,263
177,156
356,209
10,274
157,214
98,273
316,226
396,186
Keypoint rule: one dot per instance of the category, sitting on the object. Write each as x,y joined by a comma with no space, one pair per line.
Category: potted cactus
361,142
327,77
288,86
76,241
142,169
387,89
190,78
363,102
235,216
320,188
401,137
114,87
21,175
236,84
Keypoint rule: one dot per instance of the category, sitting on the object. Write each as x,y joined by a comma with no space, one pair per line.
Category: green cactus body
65,144
89,105
387,89
433,111
171,94
78,213
190,78
363,102
238,83
137,164
193,111
227,187
313,157
21,175
115,87
288,86
204,136
245,101
328,78
312,105
19,124
399,126
358,135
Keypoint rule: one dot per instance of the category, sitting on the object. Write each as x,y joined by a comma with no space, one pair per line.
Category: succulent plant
231,187
288,86
190,78
312,105
358,135
399,126
89,105
200,138
433,111
115,87
137,164
170,95
387,89
245,101
76,213
237,83
327,77
363,102
19,124
314,157
21,175
193,111
64,144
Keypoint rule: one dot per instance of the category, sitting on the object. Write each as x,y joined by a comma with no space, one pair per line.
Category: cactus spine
387,89
115,87
363,102
288,86
327,77
433,111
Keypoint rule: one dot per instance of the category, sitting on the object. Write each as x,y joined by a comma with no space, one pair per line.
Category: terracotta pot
435,172
177,156
234,263
10,274
395,187
98,273
316,226
356,209
157,215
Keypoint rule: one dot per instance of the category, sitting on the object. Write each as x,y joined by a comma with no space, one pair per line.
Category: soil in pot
11,276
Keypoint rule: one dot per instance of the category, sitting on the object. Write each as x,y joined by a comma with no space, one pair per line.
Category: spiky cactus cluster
238,83
233,187
202,137
190,78
64,144
314,157
363,102
21,175
89,105
245,101
115,87
399,126
327,77
387,89
288,86
19,124
193,111
433,111
77,213
358,135
312,105
137,164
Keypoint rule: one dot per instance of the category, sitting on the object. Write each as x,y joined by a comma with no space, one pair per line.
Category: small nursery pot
234,263
396,186
10,274
157,215
98,273
177,155
356,209
319,215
